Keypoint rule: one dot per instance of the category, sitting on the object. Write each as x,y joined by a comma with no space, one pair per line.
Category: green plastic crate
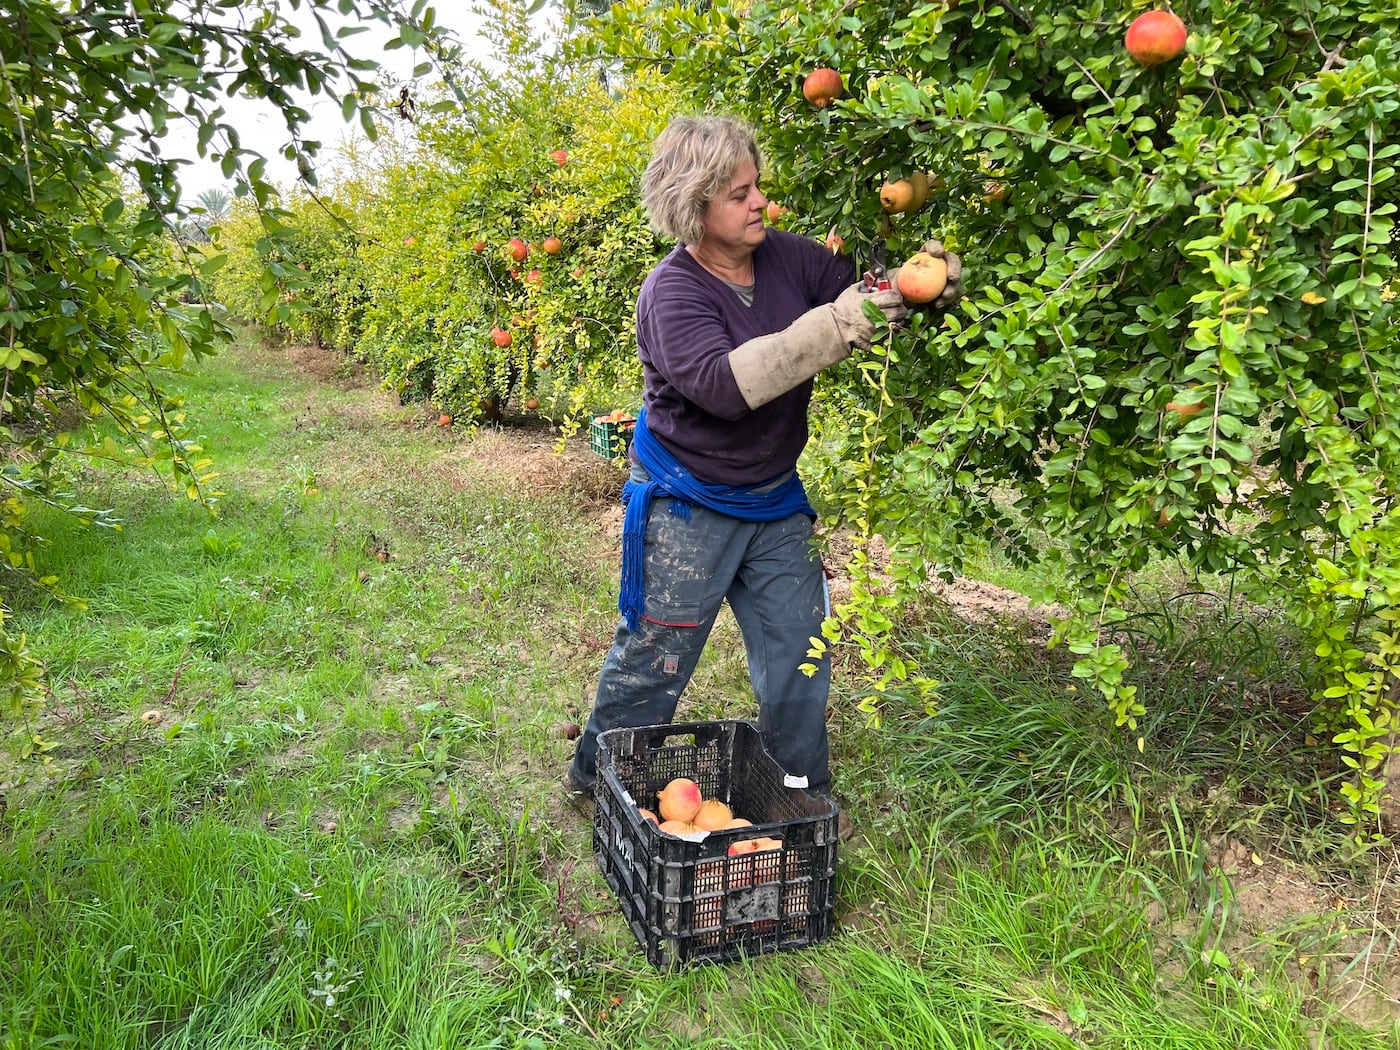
610,439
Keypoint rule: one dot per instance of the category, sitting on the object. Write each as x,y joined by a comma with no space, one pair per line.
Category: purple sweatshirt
687,322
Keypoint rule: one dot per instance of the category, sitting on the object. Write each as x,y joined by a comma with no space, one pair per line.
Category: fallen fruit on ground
444,420
569,730
679,800
1155,37
923,278
822,86
713,815
531,405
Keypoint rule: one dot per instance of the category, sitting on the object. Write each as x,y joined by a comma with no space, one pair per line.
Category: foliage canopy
1180,333
91,311
407,263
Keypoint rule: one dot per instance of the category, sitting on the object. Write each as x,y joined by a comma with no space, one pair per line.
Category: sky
263,129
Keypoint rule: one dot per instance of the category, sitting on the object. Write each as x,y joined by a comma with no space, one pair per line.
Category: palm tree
215,203
210,209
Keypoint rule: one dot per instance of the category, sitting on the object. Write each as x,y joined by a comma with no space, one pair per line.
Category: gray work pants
773,579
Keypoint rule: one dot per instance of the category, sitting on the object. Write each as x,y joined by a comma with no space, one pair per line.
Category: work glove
770,365
849,310
952,292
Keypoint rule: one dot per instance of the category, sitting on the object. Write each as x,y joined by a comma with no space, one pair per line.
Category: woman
731,328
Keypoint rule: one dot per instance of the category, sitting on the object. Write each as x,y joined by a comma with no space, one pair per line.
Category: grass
338,823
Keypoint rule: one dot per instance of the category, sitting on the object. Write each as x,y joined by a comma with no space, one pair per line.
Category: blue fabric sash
758,502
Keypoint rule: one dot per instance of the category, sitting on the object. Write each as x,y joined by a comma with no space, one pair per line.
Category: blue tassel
631,598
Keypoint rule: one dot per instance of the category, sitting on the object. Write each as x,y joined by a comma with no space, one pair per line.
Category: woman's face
733,219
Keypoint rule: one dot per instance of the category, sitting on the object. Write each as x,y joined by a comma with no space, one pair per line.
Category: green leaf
113,49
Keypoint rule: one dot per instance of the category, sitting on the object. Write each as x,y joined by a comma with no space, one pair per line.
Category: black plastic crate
686,899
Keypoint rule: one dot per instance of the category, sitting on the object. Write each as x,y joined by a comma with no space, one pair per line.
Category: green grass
344,829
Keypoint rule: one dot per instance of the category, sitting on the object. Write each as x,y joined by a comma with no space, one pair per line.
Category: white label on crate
794,782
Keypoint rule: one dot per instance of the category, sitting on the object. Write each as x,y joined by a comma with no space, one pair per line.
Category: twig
175,682
583,1020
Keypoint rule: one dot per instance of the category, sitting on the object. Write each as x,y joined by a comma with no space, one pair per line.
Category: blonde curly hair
692,161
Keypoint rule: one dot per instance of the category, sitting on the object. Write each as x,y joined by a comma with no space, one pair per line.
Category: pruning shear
877,278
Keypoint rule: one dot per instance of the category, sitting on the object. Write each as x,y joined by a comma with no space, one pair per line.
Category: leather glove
770,365
952,292
849,311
